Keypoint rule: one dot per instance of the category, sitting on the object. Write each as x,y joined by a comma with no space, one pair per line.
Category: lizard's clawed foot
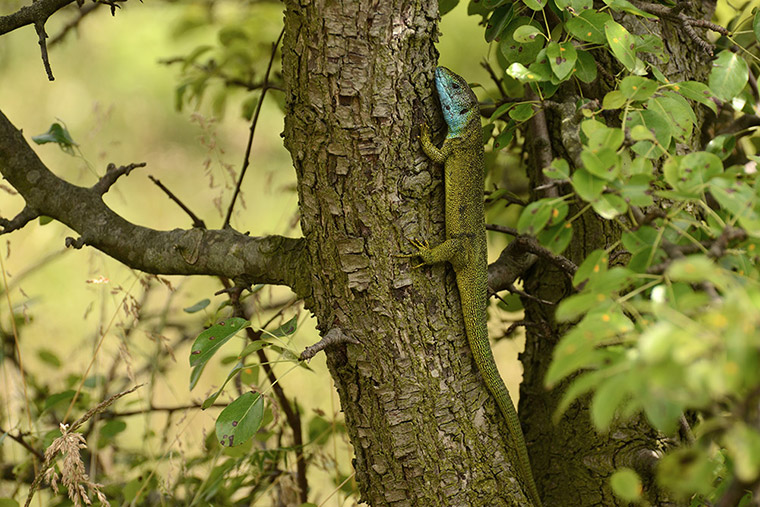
421,247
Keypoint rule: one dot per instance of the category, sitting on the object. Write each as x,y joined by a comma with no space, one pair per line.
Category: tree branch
270,259
38,11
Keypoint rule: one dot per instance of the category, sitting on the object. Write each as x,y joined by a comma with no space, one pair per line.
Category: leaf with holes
212,339
241,420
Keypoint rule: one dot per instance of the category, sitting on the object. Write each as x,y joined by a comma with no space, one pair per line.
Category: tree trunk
424,428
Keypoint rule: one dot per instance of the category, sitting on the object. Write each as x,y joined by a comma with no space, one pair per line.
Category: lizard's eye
463,111
455,86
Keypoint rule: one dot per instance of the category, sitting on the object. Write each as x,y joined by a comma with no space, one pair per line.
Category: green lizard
465,246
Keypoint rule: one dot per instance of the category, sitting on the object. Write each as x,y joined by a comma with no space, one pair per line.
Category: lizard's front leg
450,250
435,154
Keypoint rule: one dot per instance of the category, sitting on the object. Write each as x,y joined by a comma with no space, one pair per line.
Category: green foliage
58,134
665,321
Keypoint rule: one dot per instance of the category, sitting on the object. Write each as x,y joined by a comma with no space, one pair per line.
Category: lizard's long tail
474,308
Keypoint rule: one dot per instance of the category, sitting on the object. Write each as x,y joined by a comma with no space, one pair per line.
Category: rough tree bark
425,430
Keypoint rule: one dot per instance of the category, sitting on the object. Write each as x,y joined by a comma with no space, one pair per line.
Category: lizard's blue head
458,102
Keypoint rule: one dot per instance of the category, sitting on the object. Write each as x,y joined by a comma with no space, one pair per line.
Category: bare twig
246,160
197,222
26,445
112,174
24,217
333,337
42,35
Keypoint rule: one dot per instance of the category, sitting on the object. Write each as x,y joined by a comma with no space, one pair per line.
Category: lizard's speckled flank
465,245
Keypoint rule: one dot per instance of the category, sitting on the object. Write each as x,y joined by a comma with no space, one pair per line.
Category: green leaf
49,357
722,146
57,133
522,112
240,420
637,88
57,398
589,26
609,206
698,92
562,58
585,67
580,385
200,305
44,220
729,75
211,340
608,396
743,445
603,163
195,375
658,125
8,502
641,133
498,21
504,138
492,4
586,185
756,25
626,484
535,216
112,428
613,100
622,44
514,51
649,43
575,5
626,6
637,192
592,265
286,329
605,137
556,238
446,6
691,172
663,414
525,75
559,169
674,106
526,33
536,5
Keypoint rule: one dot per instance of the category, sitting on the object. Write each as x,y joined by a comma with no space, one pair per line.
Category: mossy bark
358,81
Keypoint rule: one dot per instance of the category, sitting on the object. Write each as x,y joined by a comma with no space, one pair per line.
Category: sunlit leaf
729,75
626,484
212,339
240,420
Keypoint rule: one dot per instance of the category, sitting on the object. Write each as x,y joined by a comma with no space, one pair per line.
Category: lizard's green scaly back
465,246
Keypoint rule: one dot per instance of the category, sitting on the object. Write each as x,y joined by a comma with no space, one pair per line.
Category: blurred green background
118,102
